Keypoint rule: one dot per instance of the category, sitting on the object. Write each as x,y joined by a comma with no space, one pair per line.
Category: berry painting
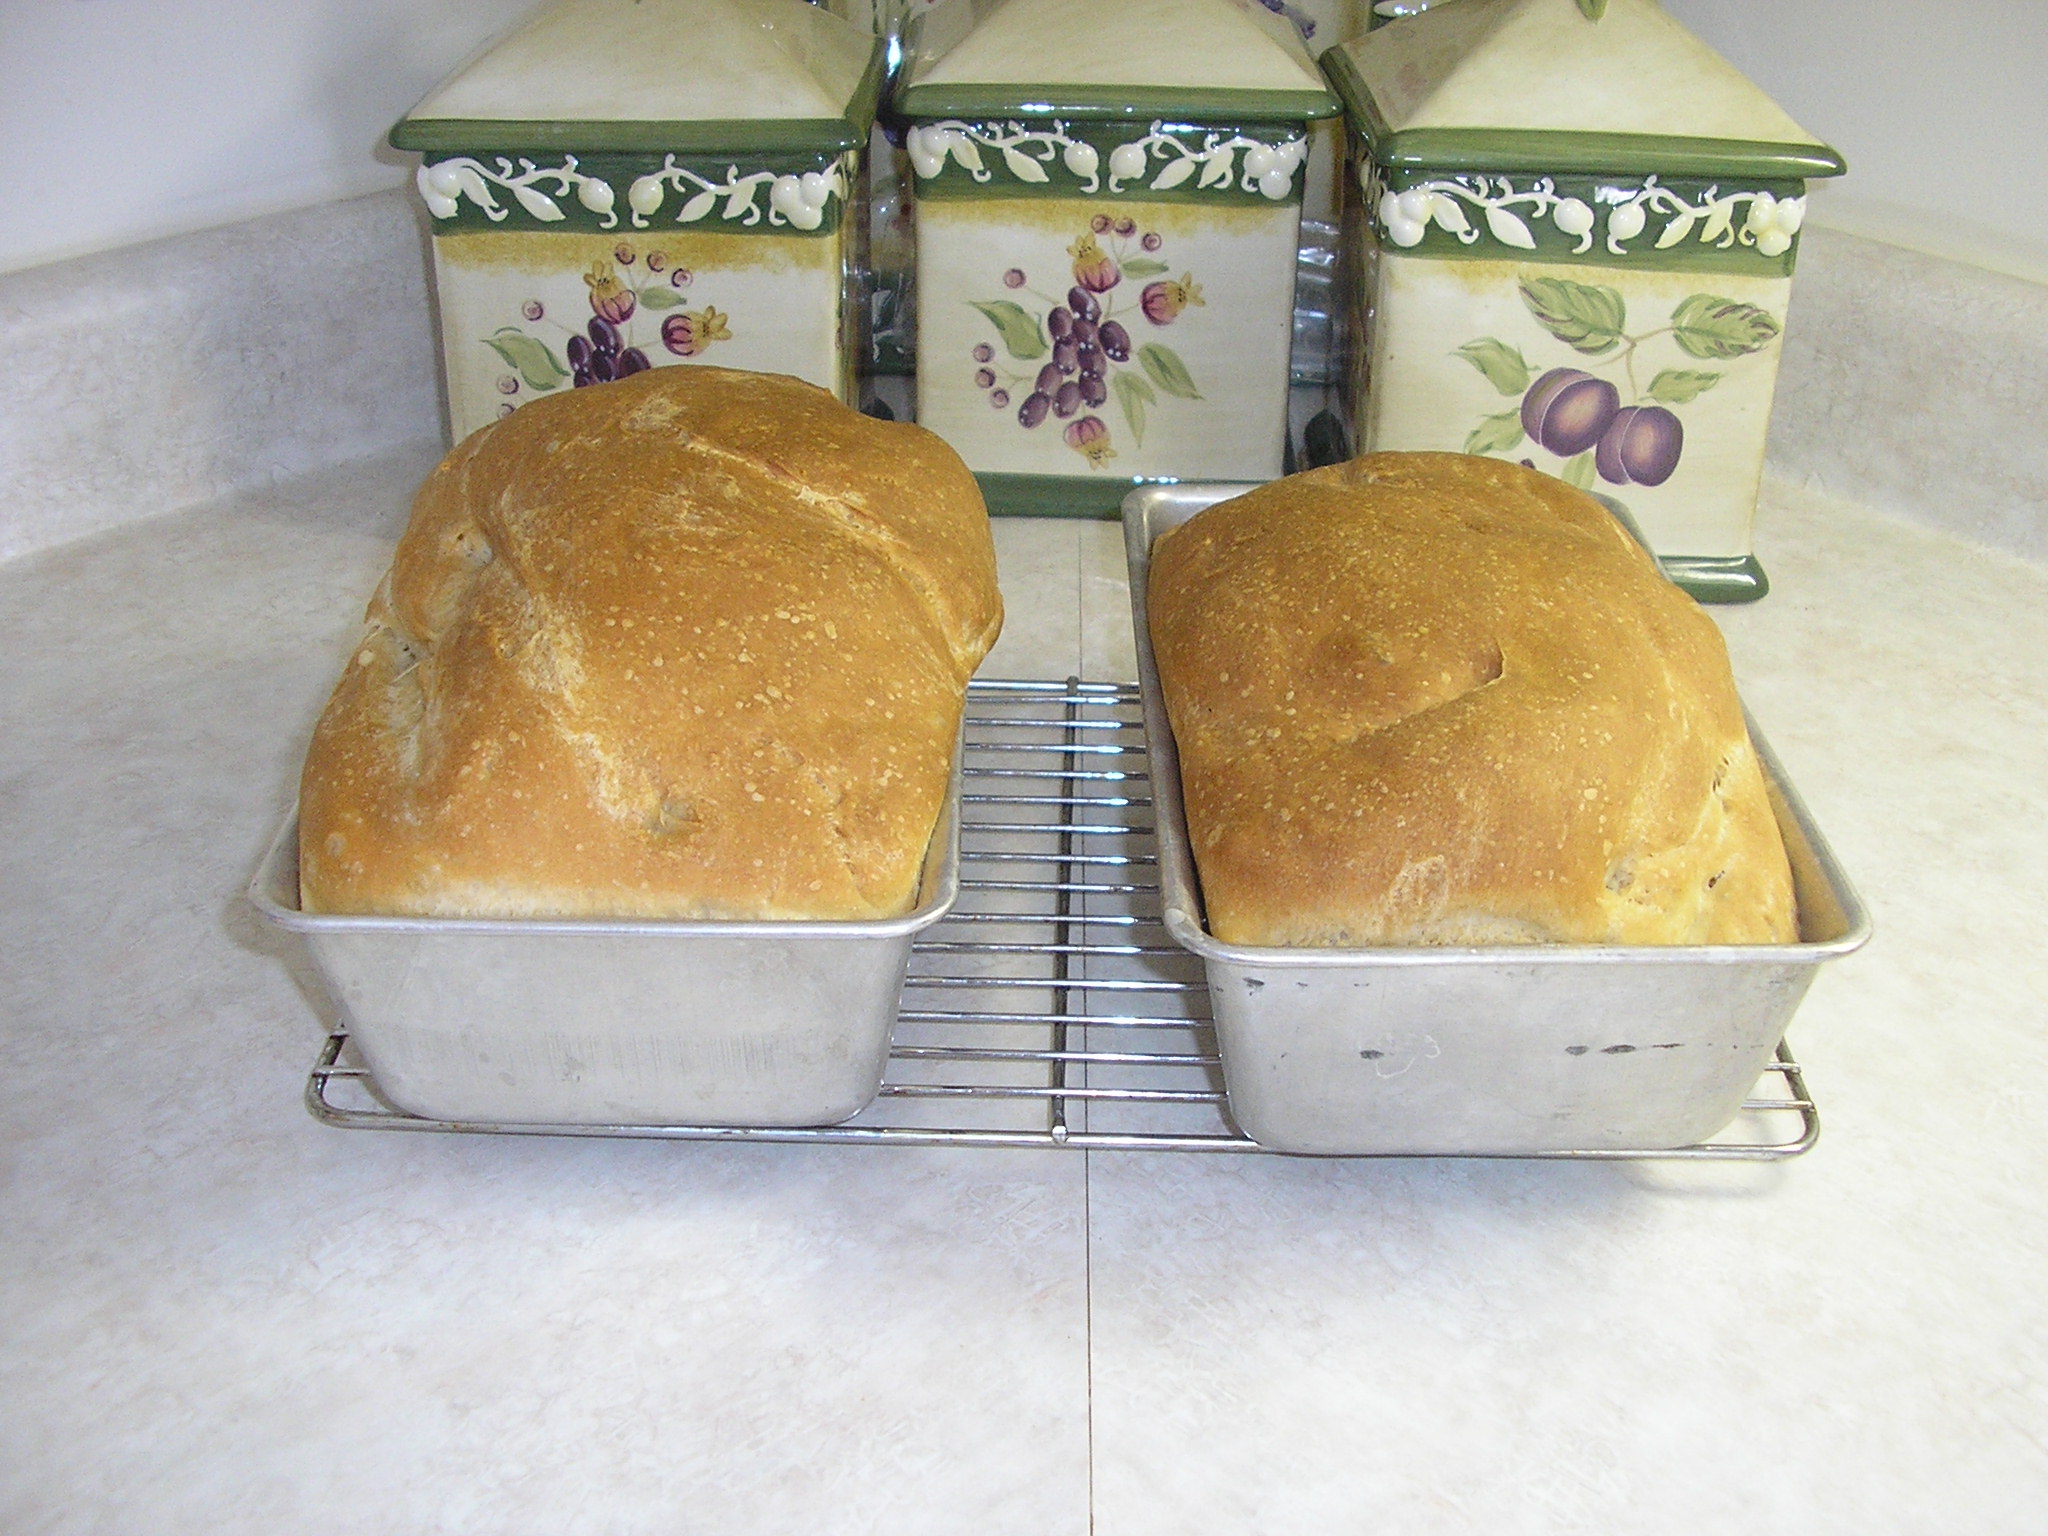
626,295
1064,357
1622,428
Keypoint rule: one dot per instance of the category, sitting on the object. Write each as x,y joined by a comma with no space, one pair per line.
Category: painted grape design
1082,342
1582,418
628,288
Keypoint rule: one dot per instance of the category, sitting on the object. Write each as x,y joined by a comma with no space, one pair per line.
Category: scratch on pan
1383,1062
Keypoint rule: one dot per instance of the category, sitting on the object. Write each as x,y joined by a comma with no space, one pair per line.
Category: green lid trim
1625,154
1094,496
683,136
790,195
768,135
1129,103
1249,164
1568,153
866,100
1640,223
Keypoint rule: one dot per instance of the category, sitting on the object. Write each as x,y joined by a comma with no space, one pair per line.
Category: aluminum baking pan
591,1022
1498,1049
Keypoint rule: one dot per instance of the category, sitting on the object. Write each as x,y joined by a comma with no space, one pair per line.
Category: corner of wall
1917,385
165,375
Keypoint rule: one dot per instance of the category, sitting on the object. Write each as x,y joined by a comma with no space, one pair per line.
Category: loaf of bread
1429,698
694,644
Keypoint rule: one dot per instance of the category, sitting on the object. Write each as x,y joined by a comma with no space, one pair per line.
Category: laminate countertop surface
218,1315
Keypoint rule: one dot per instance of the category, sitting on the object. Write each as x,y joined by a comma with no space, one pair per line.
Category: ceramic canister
1107,208
622,184
1573,228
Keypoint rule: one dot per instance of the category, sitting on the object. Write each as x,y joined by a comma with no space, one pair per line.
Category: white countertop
217,1315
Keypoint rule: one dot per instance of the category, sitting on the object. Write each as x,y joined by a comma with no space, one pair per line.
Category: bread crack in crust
1440,699
690,645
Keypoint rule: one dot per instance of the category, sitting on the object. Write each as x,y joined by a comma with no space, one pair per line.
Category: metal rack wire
1050,1009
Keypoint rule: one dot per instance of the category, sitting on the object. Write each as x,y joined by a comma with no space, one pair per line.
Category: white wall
122,120
127,119
1940,109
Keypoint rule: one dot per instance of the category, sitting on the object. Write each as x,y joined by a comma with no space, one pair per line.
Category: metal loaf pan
594,1022
1474,1051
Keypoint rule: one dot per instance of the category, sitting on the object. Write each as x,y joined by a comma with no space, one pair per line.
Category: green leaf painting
1496,434
1023,337
1164,367
1504,366
1676,386
537,364
1145,266
1716,328
1586,317
1133,394
660,298
1578,471
1593,10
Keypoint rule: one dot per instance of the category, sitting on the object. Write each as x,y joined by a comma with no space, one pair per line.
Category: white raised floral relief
796,201
444,184
1768,222
1213,161
799,200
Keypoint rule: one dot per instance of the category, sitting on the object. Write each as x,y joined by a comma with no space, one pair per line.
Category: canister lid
1613,87
682,75
1231,60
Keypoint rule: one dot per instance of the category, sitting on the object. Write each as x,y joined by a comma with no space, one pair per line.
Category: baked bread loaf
1426,698
694,644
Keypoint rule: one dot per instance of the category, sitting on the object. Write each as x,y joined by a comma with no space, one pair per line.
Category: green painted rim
1552,245
619,171
947,188
1129,103
1708,579
1638,154
1100,497
682,136
955,182
827,136
1565,153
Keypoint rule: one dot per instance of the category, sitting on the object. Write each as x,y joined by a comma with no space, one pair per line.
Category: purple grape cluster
1082,345
602,358
1077,374
1569,411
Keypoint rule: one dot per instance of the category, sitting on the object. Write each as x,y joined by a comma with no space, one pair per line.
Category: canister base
1709,579
1057,495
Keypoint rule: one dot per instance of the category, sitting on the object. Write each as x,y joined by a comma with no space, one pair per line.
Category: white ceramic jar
623,184
1572,228
1108,199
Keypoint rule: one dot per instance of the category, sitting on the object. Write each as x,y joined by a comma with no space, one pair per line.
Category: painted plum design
1582,418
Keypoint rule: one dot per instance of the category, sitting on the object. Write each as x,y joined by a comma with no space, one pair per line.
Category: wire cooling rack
1050,1009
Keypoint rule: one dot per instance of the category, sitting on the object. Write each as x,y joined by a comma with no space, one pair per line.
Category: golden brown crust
1440,699
689,645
